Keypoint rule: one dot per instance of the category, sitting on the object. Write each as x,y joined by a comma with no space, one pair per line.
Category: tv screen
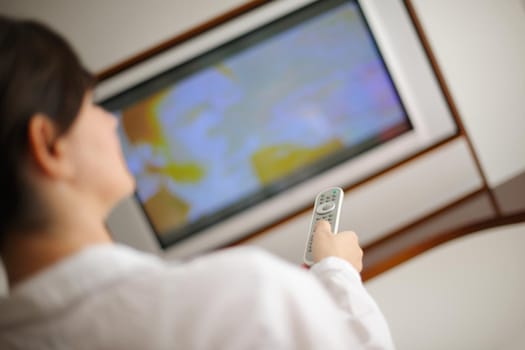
237,127
259,114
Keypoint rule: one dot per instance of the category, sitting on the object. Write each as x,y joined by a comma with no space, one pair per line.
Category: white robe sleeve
361,312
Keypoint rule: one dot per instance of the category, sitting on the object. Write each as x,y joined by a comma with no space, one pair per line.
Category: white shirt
113,297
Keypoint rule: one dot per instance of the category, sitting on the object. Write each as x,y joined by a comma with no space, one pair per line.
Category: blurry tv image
257,115
240,126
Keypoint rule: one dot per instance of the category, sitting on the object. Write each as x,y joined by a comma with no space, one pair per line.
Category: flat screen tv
239,127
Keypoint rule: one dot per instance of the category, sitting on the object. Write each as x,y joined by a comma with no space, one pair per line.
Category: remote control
327,206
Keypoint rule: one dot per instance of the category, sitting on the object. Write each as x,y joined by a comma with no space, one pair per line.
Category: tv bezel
413,78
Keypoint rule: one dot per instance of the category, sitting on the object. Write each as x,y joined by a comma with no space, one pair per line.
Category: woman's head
45,103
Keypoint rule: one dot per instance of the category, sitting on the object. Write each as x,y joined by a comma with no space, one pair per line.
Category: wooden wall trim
178,39
409,252
489,207
469,215
448,97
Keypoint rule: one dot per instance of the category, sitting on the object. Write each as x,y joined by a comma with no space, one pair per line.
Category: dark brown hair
39,73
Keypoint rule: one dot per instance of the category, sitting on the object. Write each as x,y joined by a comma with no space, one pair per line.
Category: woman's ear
47,148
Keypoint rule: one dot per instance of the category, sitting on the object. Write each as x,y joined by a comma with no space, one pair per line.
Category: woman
70,287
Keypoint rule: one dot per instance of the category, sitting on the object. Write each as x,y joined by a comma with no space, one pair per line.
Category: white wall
465,294
107,32
480,47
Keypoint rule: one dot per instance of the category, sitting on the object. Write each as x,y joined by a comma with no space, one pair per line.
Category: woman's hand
344,245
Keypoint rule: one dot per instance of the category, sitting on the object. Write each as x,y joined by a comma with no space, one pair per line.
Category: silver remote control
327,206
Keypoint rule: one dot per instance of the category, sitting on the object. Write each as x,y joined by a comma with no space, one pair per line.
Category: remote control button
326,207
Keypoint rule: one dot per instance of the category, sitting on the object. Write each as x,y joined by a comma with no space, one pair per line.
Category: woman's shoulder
248,260
239,267
239,256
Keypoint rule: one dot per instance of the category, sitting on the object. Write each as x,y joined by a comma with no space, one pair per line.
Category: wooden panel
423,235
510,196
467,216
